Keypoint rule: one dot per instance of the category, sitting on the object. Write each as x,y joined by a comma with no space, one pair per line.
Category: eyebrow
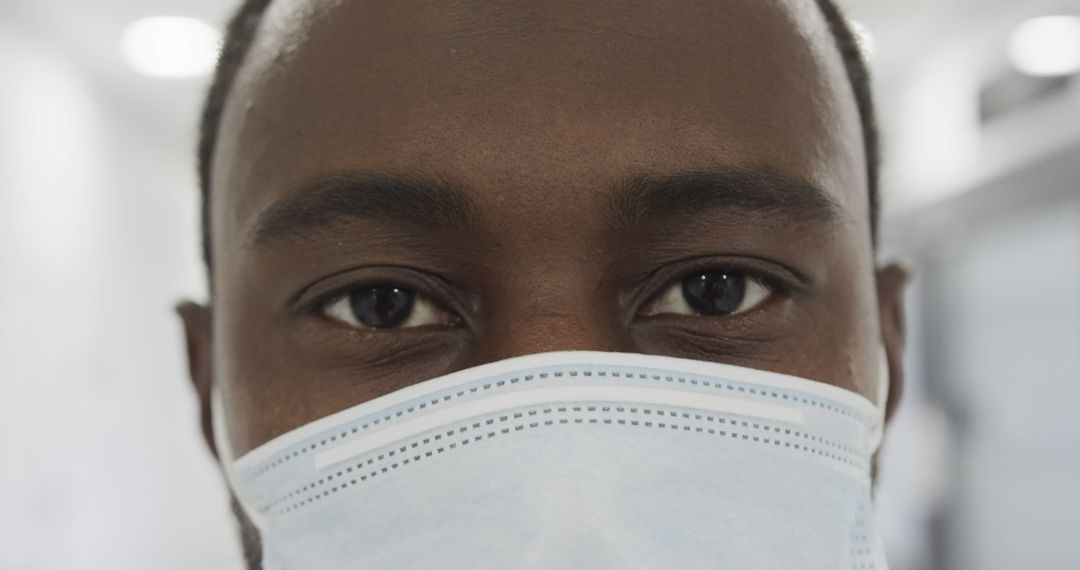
339,198
438,202
753,190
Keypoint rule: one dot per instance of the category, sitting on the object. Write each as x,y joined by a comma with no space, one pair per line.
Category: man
398,190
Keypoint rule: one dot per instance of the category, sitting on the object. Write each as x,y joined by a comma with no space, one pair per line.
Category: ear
196,321
892,282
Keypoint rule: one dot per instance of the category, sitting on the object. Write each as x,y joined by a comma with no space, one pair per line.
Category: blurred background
101,463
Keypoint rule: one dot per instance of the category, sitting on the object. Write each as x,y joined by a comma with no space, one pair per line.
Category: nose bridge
551,311
549,333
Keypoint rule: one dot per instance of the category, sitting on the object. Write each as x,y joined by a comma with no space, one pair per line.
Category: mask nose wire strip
225,458
535,363
557,395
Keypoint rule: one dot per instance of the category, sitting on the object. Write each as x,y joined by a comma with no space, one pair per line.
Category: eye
711,293
387,307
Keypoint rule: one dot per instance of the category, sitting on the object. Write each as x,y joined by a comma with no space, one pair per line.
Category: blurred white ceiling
92,32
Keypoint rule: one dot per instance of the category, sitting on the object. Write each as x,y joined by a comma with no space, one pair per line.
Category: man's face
403,189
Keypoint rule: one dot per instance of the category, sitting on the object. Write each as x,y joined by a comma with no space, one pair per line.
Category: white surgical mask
574,460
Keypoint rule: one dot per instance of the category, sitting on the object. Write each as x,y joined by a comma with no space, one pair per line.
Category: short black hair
240,35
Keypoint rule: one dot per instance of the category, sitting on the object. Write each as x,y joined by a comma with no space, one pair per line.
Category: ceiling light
1048,46
171,46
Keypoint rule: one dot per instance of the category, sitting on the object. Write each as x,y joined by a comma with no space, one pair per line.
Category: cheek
850,323
253,369
252,379
280,369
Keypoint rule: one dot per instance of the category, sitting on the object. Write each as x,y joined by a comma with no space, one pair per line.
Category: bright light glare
865,38
171,46
1048,46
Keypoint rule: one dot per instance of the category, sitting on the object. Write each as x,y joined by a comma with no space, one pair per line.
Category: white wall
100,463
1013,295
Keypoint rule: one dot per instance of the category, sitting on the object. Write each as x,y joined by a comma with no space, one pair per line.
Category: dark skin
536,142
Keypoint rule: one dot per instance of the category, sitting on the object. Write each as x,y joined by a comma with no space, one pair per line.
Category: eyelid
777,278
674,292
420,303
441,293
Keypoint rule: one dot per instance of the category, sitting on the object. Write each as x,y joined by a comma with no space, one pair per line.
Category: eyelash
315,299
420,295
658,281
674,287
666,278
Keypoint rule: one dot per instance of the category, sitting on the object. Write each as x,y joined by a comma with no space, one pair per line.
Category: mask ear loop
226,458
878,431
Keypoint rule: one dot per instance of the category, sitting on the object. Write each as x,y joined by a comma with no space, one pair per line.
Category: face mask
574,460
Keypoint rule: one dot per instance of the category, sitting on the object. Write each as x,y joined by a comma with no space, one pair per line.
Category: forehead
518,96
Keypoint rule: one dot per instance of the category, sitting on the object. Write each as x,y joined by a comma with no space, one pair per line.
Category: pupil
382,306
717,293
